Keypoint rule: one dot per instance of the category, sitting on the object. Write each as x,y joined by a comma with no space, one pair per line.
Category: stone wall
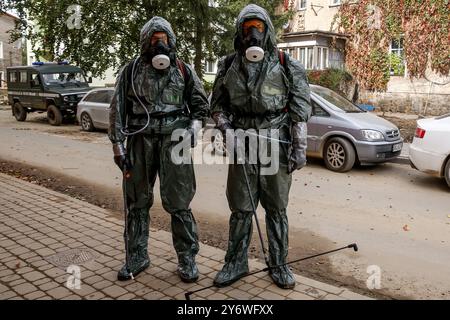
418,96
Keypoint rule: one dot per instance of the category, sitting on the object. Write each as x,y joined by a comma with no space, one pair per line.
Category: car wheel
19,112
218,145
447,172
86,122
339,155
54,115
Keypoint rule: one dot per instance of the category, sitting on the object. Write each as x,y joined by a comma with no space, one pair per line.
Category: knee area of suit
277,215
242,215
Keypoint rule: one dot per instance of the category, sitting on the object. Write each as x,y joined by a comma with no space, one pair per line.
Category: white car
93,109
430,150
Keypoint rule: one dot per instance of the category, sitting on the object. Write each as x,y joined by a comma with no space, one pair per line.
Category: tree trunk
198,60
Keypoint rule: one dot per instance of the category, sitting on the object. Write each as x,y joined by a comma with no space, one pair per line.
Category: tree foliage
373,24
108,30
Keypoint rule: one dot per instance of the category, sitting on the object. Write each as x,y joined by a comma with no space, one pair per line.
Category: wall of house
418,96
11,53
317,15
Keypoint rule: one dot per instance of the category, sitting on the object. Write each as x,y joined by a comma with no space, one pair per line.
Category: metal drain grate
77,256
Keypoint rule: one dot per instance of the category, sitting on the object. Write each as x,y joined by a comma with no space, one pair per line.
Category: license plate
397,147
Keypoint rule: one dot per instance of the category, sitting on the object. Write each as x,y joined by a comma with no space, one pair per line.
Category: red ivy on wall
373,24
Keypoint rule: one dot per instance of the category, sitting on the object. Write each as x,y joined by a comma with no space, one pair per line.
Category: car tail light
420,133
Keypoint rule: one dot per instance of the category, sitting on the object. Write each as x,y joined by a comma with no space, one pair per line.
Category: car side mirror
90,80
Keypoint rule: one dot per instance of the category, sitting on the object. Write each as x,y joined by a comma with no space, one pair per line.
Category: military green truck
55,88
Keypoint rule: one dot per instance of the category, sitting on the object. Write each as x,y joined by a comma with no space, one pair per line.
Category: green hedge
334,79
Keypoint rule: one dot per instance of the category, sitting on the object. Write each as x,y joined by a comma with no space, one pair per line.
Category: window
1,49
336,101
210,67
302,56
64,79
335,2
318,111
301,4
322,58
104,96
397,57
2,79
310,58
12,77
35,81
293,52
305,56
23,76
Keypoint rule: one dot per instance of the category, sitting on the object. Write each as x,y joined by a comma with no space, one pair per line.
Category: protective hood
157,24
253,11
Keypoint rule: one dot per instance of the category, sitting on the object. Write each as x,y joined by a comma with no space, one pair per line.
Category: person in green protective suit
156,94
259,87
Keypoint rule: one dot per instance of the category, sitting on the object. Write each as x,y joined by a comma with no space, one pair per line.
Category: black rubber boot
277,234
136,269
187,269
138,229
236,259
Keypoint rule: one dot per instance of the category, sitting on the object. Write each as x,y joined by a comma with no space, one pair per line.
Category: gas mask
159,51
254,33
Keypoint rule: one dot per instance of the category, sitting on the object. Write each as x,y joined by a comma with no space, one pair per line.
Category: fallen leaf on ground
405,227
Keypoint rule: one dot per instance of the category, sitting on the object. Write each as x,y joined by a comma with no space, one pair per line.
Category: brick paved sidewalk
43,232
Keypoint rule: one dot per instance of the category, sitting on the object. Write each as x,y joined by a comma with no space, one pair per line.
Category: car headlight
372,135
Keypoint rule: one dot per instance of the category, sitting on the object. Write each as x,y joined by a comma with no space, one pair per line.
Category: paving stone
114,291
35,295
59,292
33,276
37,226
299,296
24,288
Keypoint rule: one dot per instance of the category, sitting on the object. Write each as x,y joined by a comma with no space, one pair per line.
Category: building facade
10,53
311,37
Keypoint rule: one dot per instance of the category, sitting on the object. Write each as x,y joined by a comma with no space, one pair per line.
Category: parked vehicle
93,109
343,134
55,88
430,150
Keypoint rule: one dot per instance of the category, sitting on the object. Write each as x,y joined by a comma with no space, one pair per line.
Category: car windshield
64,79
336,101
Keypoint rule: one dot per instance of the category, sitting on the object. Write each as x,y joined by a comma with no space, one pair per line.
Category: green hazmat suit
261,95
175,99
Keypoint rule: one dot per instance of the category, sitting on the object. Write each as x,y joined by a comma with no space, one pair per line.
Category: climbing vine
371,26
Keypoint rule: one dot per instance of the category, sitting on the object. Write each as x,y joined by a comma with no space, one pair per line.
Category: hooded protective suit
174,101
262,95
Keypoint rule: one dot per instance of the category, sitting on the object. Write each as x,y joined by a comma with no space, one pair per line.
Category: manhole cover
77,256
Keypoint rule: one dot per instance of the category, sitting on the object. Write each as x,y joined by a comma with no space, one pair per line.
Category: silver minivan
93,109
343,134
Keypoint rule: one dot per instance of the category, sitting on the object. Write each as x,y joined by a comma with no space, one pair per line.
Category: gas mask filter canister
254,54
161,62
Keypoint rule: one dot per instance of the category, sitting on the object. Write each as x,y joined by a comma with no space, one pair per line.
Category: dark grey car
343,134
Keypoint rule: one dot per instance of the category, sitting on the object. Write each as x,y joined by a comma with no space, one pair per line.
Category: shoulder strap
282,57
182,68
229,61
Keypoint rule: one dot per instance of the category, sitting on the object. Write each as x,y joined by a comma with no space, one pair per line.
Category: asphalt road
399,217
